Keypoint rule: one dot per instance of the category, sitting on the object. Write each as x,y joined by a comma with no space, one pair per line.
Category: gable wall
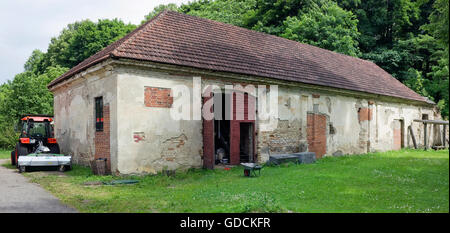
75,118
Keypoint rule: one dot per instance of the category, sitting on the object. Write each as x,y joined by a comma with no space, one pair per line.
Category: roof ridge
265,34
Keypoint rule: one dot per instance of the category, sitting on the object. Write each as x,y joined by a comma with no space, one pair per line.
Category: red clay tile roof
179,39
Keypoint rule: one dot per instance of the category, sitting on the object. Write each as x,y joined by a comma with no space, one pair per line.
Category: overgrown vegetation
398,181
407,38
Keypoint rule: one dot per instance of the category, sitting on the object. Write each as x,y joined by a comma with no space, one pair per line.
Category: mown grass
5,154
398,181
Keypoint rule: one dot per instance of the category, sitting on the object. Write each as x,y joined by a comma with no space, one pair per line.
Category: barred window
99,114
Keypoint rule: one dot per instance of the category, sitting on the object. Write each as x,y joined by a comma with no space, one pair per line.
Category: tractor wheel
68,167
54,148
21,150
22,169
13,157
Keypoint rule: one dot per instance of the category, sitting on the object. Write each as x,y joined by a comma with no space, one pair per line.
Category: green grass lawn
399,181
5,154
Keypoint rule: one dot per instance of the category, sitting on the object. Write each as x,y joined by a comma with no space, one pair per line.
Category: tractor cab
35,129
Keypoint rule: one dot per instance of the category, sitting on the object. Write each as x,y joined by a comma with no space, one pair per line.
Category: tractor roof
37,117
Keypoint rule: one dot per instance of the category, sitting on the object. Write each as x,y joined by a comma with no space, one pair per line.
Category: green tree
269,15
158,9
34,62
439,28
382,22
28,93
233,12
439,22
81,40
318,22
8,135
327,26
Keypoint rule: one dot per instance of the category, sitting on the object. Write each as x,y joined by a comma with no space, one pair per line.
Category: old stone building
116,104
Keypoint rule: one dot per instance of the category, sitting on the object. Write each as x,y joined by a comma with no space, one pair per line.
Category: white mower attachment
42,158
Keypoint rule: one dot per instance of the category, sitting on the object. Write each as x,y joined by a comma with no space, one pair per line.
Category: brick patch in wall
364,114
102,140
316,134
157,97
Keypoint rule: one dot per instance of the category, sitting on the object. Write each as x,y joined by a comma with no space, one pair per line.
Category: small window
332,129
99,114
424,116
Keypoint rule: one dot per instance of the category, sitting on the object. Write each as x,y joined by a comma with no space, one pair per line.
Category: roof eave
82,73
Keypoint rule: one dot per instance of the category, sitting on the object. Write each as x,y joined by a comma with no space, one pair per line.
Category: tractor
35,131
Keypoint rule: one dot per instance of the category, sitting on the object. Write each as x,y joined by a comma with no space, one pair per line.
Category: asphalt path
18,195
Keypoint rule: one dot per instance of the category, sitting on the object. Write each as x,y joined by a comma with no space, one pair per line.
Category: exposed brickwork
316,134
172,147
208,140
102,140
365,114
286,138
157,97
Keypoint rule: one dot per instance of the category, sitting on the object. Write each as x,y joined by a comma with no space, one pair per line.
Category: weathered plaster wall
386,113
75,119
149,141
353,127
145,139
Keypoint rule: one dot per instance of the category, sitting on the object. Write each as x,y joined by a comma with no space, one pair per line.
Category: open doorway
227,140
246,142
221,129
